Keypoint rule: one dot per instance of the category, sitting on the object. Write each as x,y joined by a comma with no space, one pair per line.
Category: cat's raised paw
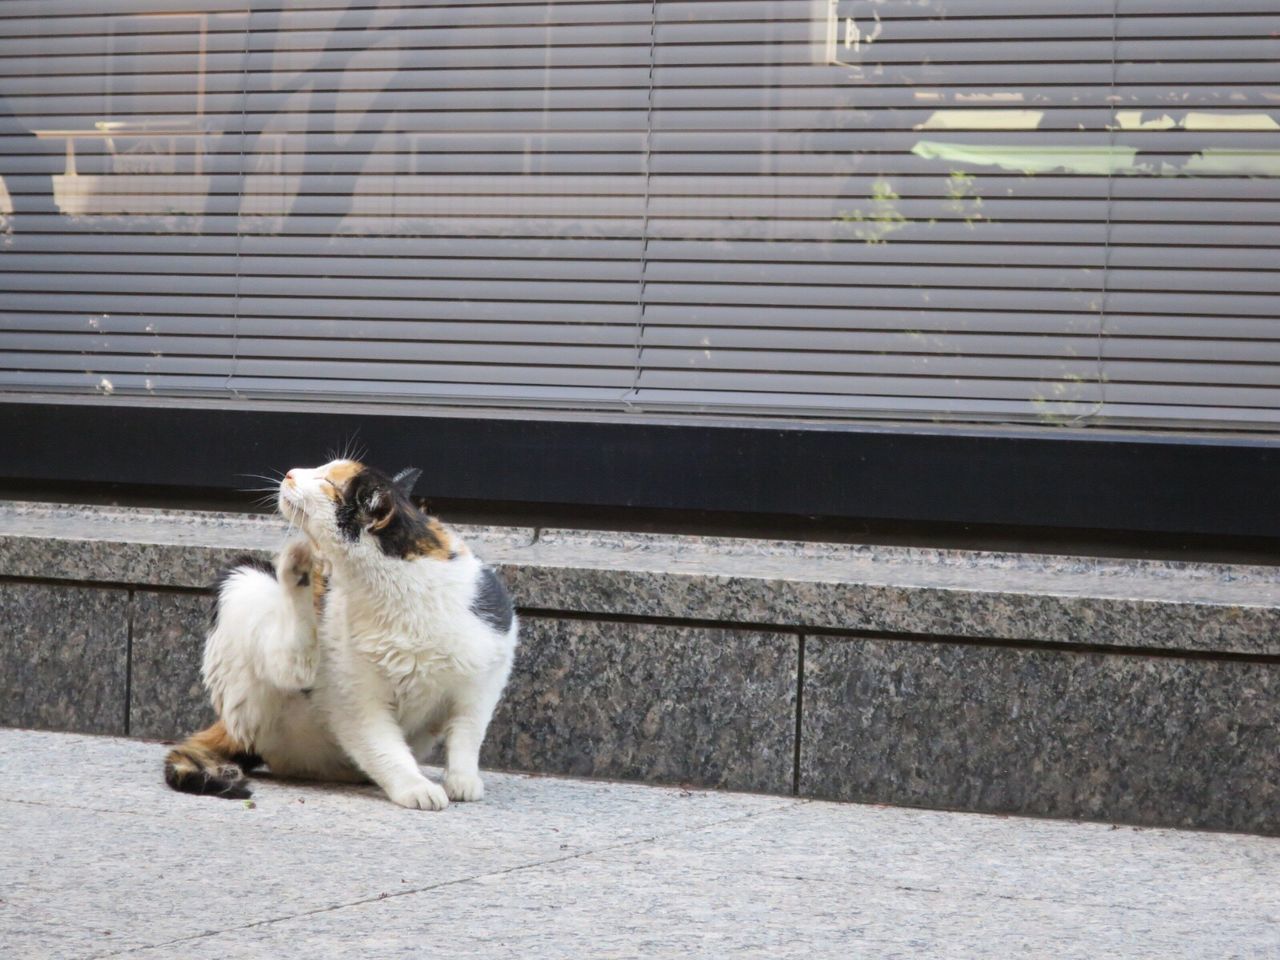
424,795
464,786
293,569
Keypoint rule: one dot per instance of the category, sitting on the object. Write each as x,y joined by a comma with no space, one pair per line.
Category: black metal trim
1093,480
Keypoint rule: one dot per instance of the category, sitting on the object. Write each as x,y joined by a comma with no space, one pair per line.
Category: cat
370,638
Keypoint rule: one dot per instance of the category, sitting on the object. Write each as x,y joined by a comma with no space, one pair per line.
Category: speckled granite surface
1181,737
907,590
631,701
645,702
1152,740
152,547
63,657
166,696
1169,605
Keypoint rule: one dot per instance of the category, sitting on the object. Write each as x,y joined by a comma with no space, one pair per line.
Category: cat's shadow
366,788
326,787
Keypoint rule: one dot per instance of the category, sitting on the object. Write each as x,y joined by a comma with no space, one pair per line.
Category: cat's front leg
462,774
363,723
464,735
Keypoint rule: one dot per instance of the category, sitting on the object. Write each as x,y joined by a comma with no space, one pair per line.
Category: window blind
1064,212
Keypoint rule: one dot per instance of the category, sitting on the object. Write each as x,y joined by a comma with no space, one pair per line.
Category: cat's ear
407,479
380,508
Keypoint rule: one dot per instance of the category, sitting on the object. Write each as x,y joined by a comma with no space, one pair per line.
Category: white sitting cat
367,642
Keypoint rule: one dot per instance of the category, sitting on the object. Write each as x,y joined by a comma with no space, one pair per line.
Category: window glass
1063,213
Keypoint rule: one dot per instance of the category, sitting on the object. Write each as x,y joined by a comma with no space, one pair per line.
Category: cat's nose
290,475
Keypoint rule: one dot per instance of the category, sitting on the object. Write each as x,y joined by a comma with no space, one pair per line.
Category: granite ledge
1220,608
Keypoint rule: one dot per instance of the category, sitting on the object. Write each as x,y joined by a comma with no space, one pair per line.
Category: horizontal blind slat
972,209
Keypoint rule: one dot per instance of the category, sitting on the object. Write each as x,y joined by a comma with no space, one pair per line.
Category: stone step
1139,691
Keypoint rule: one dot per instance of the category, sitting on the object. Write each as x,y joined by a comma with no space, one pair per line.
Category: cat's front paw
293,568
464,786
421,795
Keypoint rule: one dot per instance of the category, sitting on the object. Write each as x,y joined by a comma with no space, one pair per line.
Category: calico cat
364,643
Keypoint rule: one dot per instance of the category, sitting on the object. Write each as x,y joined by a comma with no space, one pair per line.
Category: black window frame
1214,485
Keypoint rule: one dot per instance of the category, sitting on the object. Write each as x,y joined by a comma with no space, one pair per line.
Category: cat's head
347,504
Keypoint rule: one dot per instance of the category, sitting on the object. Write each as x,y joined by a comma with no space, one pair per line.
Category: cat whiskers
351,449
295,514
277,479
269,495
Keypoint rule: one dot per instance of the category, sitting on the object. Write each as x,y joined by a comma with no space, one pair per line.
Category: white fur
396,661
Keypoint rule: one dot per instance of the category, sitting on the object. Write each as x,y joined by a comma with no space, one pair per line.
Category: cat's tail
211,763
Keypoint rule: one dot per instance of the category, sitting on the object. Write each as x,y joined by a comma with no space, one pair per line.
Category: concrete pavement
99,859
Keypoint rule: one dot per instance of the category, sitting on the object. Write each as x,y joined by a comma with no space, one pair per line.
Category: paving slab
99,859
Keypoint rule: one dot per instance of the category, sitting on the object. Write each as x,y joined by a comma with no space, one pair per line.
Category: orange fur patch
319,586
340,475
440,544
210,762
217,741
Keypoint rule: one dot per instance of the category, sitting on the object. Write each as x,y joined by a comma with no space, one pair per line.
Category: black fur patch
243,562
320,593
407,479
205,782
492,603
372,499
346,513
247,762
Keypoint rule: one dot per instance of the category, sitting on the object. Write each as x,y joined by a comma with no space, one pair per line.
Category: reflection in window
804,208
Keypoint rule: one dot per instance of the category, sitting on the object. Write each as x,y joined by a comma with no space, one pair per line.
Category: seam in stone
795,761
128,663
83,584
791,629
840,633
966,893
550,861
55,805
